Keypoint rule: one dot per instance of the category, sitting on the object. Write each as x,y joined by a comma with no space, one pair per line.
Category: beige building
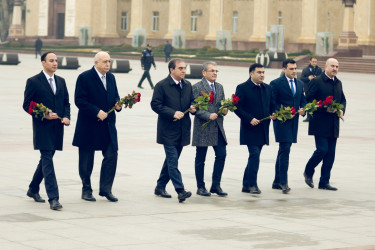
115,21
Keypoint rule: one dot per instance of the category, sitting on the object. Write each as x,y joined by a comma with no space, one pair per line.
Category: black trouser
107,172
45,170
167,56
146,74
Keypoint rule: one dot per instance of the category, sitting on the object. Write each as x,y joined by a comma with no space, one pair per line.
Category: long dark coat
323,123
91,97
209,135
255,102
308,71
47,134
166,100
282,95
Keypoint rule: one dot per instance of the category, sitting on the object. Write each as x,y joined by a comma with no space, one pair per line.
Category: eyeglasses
213,71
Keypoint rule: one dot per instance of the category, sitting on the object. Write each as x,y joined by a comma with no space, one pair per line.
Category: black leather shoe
203,192
109,196
285,188
217,190
276,186
255,190
327,187
308,181
162,193
183,195
88,197
245,189
35,196
55,204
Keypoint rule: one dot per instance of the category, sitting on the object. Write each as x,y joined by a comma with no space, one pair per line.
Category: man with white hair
325,125
95,94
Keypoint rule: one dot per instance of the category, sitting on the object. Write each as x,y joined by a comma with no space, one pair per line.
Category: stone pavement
303,219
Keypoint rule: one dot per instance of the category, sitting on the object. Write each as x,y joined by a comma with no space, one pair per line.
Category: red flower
31,107
212,98
293,110
139,97
319,103
235,99
328,100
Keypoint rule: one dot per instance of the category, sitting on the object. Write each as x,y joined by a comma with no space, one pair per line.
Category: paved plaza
303,219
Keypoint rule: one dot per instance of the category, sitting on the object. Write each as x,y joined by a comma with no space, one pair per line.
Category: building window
193,21
155,21
235,22
124,21
279,17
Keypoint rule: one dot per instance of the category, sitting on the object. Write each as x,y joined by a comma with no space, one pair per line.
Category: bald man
325,126
95,94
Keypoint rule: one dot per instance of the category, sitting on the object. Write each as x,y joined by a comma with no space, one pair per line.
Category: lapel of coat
285,84
97,78
205,86
58,85
45,82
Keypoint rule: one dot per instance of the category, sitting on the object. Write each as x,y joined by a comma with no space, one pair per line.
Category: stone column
174,17
309,21
43,18
260,23
136,16
70,18
16,28
215,19
106,23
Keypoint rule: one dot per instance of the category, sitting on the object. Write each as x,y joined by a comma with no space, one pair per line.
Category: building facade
88,22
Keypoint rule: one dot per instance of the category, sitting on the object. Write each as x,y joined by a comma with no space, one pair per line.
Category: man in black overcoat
172,96
48,133
287,91
325,124
255,103
167,51
95,94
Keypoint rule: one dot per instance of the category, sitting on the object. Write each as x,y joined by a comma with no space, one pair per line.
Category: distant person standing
147,60
167,51
38,47
309,73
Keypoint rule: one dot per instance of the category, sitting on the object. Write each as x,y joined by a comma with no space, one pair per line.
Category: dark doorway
60,25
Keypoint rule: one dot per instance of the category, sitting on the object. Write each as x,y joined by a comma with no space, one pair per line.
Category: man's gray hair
205,65
98,55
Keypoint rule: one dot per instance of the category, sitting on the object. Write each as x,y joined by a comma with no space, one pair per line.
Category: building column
174,17
16,28
43,18
107,18
215,20
260,24
348,38
136,16
70,18
365,22
309,21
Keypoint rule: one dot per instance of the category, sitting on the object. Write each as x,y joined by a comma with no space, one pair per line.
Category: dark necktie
212,85
292,87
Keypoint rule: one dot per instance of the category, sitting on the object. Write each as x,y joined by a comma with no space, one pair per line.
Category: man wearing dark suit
49,89
213,134
287,90
172,96
309,73
255,103
95,94
325,126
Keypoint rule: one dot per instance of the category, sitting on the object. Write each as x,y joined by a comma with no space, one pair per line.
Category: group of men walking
96,92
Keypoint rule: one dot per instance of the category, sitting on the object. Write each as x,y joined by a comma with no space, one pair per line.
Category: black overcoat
323,123
168,98
282,95
255,102
91,97
47,134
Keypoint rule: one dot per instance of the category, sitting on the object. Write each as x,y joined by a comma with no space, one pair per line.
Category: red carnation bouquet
128,101
333,106
39,110
202,102
311,107
283,114
230,104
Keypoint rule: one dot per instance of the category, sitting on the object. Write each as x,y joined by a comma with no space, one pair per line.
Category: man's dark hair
43,57
287,61
255,65
172,63
313,57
